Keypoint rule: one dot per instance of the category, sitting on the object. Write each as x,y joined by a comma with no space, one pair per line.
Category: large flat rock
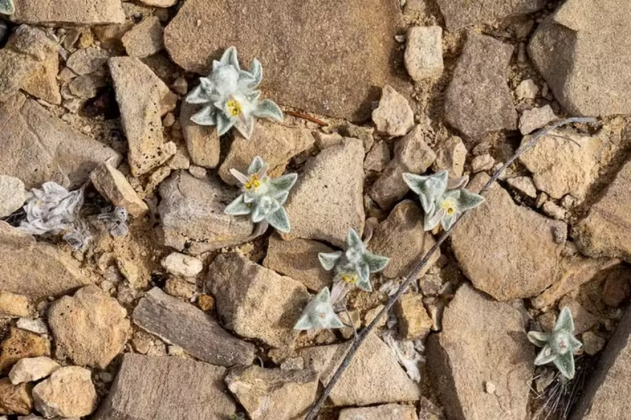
81,12
328,57
461,13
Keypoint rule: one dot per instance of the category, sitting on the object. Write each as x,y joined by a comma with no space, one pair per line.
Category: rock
13,306
451,157
273,394
394,116
145,38
373,376
580,53
382,412
113,185
180,288
583,320
298,259
563,162
261,305
12,195
414,322
527,89
182,324
372,314
39,147
461,13
32,369
274,143
324,140
202,142
592,343
87,60
298,71
553,210
411,154
616,287
143,99
481,341
482,163
15,399
192,214
159,3
68,12
424,52
182,265
478,99
35,325
512,233
523,185
535,119
429,411
197,171
68,392
331,183
90,328
402,238
166,388
600,233
21,344
35,269
378,157
86,86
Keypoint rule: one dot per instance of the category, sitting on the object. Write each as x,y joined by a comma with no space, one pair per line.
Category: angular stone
182,265
113,185
411,154
424,52
180,288
159,3
255,302
144,39
68,392
12,195
451,156
274,143
184,325
510,233
90,328
461,13
192,214
394,116
143,99
35,269
414,322
535,119
202,142
401,237
298,259
32,369
382,412
527,89
523,185
564,162
298,71
167,388
378,157
331,184
64,12
482,342
373,376
86,86
580,50
15,399
273,394
482,163
478,99
14,306
21,344
35,325
87,60
37,147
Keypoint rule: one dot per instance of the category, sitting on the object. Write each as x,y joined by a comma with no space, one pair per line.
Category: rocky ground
186,317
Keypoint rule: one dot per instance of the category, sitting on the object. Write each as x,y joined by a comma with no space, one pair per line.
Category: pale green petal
264,208
375,263
304,323
245,126
281,197
323,295
284,182
466,200
545,356
574,344
229,57
353,240
7,7
364,273
448,220
257,72
364,283
268,109
238,207
334,321
280,220
328,260
432,220
429,188
256,165
207,116
565,364
538,338
565,321
196,96
224,124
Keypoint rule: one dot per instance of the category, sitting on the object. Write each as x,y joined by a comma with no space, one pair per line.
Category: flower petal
565,321
354,241
207,116
224,124
448,220
375,262
238,207
329,259
545,356
245,126
304,322
538,338
280,220
268,109
284,182
229,57
565,364
429,188
466,200
198,95
432,220
256,165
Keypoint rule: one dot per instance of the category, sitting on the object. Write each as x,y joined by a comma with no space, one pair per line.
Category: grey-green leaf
376,263
284,182
328,260
565,364
238,207
256,165
268,109
7,7
565,321
280,220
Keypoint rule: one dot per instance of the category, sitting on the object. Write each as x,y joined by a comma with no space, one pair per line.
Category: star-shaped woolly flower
441,203
559,346
51,209
319,313
230,96
262,197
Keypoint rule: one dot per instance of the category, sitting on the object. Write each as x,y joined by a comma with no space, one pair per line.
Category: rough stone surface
478,99
202,142
255,302
512,233
35,269
87,60
21,344
167,388
382,412
378,157
274,143
414,322
182,265
299,70
394,116
38,147
159,3
461,13
482,342
536,118
192,213
144,39
68,392
424,52
15,399
14,306
60,12
90,328
580,50
411,154
143,99
331,184
113,185
451,156
12,195
524,185
32,369
527,89
273,394
184,325
402,238
563,162
482,163
373,377
298,259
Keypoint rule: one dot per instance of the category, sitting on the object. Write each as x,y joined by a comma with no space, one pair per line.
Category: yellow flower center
234,108
349,278
449,208
253,182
